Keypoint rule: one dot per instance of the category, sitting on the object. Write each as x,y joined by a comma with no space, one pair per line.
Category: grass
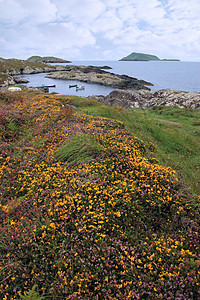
81,147
31,295
86,210
175,133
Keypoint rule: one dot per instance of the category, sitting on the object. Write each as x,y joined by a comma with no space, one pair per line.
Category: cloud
48,39
79,12
166,30
104,29
13,12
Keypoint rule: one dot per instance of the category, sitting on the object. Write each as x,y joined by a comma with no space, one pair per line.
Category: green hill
144,57
140,57
47,59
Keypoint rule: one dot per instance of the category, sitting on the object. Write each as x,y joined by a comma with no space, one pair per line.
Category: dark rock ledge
92,74
146,99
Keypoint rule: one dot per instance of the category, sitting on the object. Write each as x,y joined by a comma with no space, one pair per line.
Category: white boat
14,89
80,88
49,85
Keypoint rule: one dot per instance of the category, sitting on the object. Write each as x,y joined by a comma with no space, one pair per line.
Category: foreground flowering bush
116,225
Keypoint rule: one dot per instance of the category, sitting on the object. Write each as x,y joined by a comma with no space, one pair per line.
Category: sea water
176,75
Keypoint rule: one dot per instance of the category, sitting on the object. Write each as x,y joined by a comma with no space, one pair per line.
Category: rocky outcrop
145,99
19,80
12,67
92,74
36,70
6,79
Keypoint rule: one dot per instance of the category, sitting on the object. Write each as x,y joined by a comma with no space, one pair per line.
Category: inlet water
180,76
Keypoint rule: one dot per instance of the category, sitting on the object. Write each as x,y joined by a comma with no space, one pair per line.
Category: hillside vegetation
17,65
9,67
86,209
47,59
144,57
13,66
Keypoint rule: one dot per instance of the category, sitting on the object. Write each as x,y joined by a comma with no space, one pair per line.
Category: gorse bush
114,224
172,130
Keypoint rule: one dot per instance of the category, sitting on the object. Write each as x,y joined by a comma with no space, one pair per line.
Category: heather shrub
88,212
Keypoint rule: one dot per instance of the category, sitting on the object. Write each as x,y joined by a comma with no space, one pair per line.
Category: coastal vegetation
17,65
87,210
144,57
174,133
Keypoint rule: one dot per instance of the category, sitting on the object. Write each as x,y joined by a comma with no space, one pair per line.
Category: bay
176,75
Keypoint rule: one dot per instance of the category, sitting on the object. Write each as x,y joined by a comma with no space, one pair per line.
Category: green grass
80,147
31,295
174,131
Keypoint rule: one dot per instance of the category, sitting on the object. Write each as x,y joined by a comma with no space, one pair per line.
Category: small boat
14,89
80,88
72,85
50,85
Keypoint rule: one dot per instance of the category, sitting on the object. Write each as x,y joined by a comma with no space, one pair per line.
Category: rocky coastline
140,97
89,74
9,68
147,99
98,75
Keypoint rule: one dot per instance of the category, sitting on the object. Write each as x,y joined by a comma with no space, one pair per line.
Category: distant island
47,59
144,57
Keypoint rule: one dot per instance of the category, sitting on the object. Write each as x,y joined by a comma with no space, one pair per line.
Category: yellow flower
118,214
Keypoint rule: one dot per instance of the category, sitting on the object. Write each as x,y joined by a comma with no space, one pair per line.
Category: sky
100,29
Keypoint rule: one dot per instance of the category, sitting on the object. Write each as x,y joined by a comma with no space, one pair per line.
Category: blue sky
100,29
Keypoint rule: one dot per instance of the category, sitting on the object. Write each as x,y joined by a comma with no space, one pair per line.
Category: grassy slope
108,222
174,132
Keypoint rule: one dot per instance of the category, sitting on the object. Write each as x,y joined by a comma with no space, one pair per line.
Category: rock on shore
92,74
145,99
